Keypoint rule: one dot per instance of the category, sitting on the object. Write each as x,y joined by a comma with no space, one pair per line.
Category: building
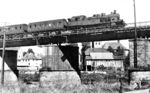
95,57
30,58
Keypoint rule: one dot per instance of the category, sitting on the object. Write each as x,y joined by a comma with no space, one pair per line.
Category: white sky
25,11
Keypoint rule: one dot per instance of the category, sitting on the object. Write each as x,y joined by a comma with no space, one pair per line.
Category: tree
85,46
29,54
30,51
24,53
110,49
120,51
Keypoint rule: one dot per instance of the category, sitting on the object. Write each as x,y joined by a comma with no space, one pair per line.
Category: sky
26,11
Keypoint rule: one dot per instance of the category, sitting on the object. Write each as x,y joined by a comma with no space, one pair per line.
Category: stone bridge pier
143,53
142,72
61,67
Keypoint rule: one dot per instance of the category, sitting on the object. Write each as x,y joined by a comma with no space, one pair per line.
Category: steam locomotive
97,20
101,20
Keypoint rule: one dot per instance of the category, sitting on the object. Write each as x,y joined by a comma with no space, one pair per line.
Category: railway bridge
79,35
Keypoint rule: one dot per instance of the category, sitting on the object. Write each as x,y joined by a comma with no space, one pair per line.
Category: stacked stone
143,53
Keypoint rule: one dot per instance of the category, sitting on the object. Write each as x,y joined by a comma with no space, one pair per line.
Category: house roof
101,50
114,45
88,57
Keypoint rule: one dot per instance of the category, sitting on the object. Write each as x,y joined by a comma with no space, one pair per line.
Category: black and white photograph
74,46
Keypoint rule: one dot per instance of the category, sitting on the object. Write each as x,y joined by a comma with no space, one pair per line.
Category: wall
140,75
35,64
107,63
140,78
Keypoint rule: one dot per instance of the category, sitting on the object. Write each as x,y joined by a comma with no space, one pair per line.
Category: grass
90,88
91,83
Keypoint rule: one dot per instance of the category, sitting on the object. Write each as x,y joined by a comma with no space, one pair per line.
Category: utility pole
135,37
3,57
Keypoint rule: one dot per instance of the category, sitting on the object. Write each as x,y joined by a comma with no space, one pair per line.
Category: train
58,24
76,22
14,29
102,20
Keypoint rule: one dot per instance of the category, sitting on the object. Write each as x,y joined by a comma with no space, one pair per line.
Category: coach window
76,19
35,25
101,20
108,19
14,28
9,28
43,25
60,22
69,20
49,25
